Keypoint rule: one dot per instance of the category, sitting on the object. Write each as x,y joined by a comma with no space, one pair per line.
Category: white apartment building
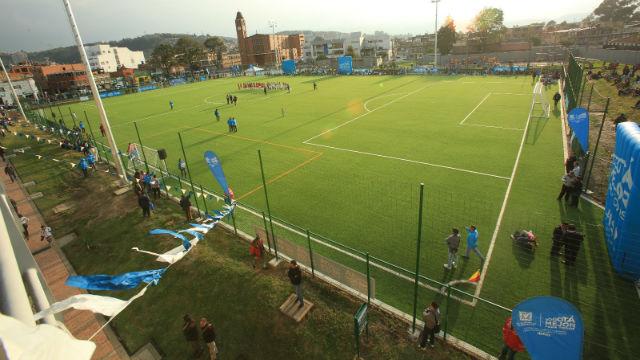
109,59
24,88
379,44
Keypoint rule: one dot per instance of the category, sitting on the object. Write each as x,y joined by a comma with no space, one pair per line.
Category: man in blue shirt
472,242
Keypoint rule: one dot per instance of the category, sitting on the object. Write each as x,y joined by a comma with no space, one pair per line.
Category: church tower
241,31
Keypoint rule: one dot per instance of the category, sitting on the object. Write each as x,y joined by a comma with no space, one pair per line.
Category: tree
217,45
618,11
351,52
188,52
488,26
446,36
163,57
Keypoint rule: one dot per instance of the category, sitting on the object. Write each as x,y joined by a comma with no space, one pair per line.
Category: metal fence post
266,230
313,271
590,96
233,219
446,311
144,155
595,148
419,240
188,172
368,282
266,196
204,200
72,118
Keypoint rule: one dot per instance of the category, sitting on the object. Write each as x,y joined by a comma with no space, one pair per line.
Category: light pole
435,46
13,91
273,25
96,94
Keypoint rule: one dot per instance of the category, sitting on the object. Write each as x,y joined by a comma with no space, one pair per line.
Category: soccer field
346,162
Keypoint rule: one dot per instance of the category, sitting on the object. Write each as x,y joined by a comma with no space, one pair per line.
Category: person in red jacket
512,343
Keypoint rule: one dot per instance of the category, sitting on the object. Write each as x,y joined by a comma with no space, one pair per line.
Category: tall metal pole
144,155
13,91
193,189
415,286
273,25
435,46
96,94
595,149
266,197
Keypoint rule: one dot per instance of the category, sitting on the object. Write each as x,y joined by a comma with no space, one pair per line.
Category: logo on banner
550,328
578,119
215,167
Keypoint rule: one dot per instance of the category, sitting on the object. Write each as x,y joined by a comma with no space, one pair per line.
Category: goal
137,155
540,100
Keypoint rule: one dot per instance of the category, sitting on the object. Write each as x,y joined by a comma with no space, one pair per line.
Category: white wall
109,58
25,87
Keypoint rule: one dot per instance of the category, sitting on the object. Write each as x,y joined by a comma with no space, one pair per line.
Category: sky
42,24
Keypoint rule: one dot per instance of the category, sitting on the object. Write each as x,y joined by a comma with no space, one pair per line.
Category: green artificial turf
346,161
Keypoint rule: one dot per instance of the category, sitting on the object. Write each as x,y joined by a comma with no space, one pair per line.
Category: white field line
409,161
159,115
474,109
495,127
510,93
363,115
379,97
505,201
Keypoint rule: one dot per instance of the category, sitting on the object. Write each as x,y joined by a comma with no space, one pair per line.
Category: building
266,49
414,48
24,86
378,44
60,78
109,59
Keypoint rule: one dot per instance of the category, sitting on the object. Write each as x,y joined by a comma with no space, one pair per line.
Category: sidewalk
56,269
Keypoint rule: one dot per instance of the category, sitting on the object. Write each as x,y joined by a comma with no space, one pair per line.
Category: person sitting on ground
45,234
621,118
525,239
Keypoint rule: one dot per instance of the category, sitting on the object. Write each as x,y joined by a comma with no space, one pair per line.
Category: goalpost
137,154
540,100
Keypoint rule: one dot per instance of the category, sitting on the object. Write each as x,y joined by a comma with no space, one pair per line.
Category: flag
170,257
213,162
115,282
578,120
105,305
475,277
185,242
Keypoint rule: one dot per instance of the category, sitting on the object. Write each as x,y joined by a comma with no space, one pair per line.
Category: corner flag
475,277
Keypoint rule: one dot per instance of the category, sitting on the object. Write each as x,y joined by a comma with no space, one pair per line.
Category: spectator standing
155,187
190,332
209,337
568,181
556,100
575,192
472,243
102,130
573,239
558,239
2,153
145,204
453,243
570,163
81,126
91,160
25,224
295,276
183,167
11,172
46,234
512,342
84,167
256,249
185,204
431,319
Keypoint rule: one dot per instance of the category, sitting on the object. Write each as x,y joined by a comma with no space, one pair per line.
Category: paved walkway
56,269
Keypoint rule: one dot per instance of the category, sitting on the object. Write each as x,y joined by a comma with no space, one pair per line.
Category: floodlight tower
435,46
13,91
96,94
273,25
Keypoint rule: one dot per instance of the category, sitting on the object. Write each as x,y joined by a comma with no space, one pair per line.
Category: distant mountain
144,43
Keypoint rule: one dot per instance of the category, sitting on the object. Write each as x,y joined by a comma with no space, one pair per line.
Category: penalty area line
409,161
505,201
474,109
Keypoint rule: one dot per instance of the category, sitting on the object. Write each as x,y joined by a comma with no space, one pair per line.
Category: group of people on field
264,85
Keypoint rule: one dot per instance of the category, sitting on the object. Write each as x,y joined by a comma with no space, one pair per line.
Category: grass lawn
215,280
346,161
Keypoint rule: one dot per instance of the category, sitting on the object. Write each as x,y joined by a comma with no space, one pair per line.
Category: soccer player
171,104
217,114
315,86
556,100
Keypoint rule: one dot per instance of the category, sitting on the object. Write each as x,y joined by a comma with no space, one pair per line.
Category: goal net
137,155
540,100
